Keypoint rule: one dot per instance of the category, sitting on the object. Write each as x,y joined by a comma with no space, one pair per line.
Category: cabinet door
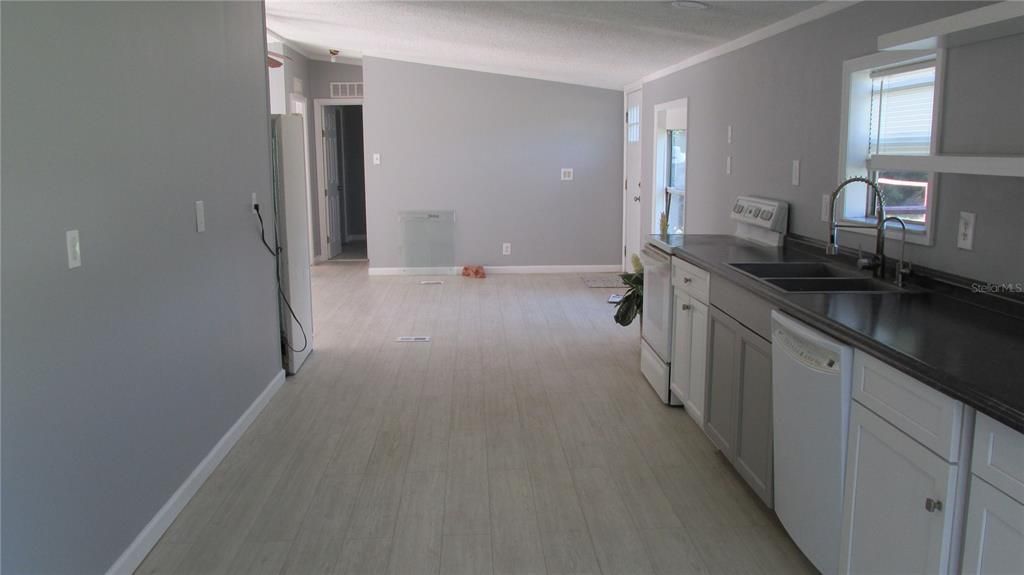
682,324
698,361
994,542
898,502
721,420
754,441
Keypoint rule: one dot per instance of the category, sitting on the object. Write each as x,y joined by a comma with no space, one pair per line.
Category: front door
632,220
332,182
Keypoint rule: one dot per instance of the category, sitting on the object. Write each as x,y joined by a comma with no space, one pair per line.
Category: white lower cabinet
898,504
689,353
994,539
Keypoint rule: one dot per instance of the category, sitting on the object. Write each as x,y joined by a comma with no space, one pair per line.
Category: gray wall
490,147
782,97
121,375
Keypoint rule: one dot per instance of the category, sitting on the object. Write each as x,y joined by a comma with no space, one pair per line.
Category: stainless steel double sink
814,277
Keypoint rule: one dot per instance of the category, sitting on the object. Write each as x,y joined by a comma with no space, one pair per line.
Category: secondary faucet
877,262
900,269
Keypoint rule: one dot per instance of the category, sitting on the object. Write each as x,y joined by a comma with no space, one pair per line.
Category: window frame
666,113
853,149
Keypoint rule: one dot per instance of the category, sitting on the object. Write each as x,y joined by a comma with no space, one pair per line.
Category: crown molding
811,14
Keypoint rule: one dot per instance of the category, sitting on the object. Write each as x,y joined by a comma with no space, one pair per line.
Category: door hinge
323,133
625,185
623,251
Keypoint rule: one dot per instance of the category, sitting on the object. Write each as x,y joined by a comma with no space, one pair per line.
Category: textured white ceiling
607,44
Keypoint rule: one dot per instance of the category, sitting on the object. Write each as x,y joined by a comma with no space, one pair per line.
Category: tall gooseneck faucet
877,263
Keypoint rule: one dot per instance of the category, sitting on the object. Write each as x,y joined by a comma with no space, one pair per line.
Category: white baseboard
456,270
151,533
438,271
553,269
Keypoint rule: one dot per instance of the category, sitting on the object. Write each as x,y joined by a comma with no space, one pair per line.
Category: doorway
341,180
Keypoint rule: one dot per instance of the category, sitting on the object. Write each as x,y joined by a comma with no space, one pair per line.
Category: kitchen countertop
968,352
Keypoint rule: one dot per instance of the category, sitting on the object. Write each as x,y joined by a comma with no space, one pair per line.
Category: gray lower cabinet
739,400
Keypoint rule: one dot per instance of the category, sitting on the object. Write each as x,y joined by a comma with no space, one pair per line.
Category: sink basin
833,285
794,270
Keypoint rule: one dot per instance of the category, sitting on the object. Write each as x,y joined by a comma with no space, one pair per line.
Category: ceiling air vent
346,89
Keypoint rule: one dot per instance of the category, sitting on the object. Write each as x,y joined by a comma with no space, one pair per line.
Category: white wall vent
346,89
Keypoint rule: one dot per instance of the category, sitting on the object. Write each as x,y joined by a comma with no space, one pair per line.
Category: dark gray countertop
966,351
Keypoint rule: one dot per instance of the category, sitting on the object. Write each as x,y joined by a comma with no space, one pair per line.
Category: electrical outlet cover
566,174
965,232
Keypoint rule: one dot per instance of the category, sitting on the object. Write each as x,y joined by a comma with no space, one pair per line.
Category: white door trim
318,115
625,170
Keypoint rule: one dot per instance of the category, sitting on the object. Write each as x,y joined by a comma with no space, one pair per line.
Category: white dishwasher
811,376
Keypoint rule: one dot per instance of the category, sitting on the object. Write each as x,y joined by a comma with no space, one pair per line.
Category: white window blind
901,111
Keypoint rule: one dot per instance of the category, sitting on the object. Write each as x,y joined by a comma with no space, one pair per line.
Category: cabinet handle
687,280
932,505
685,307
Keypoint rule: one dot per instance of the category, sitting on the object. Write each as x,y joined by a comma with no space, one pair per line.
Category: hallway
522,439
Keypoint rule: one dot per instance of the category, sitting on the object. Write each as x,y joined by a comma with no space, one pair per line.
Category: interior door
632,227
332,182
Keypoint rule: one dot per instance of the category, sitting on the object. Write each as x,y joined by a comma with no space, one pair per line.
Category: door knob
636,198
932,505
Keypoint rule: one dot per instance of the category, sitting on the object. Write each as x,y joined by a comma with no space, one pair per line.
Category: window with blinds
900,124
901,111
633,124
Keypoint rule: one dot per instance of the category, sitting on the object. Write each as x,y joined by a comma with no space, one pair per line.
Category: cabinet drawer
927,415
691,279
999,456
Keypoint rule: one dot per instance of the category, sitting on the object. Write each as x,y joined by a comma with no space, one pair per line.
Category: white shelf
1011,166
987,23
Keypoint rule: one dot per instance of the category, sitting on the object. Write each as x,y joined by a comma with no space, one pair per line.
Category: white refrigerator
291,197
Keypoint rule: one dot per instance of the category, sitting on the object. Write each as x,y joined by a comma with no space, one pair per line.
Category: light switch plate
965,233
200,216
566,174
376,159
796,173
728,165
74,249
728,134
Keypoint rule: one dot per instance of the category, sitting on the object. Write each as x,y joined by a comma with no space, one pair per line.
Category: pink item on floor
474,272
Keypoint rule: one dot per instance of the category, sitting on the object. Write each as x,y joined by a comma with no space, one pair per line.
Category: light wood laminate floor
522,439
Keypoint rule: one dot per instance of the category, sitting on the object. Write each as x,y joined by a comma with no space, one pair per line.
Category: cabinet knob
932,505
685,307
687,280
